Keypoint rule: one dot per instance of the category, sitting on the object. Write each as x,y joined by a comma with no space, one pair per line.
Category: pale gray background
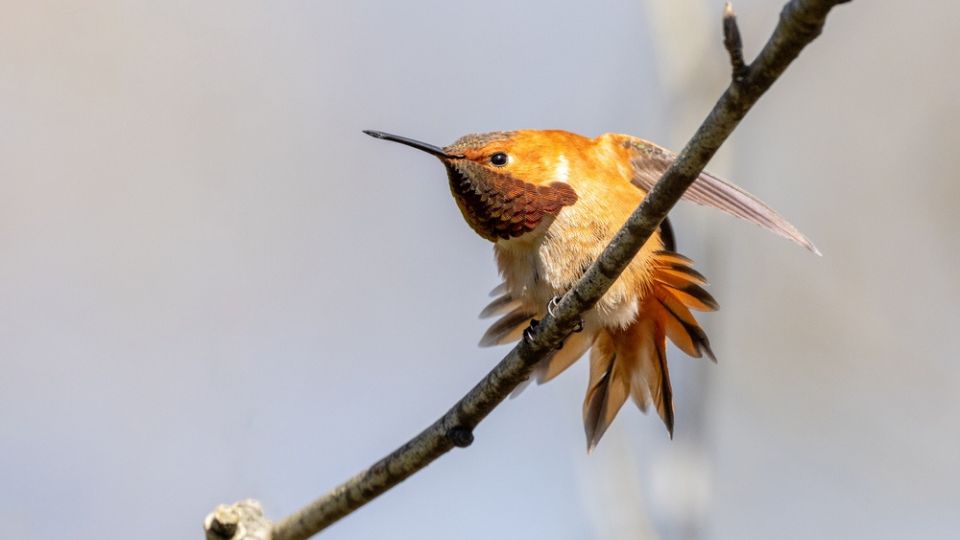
213,286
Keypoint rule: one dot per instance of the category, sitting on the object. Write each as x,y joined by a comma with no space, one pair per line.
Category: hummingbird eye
499,159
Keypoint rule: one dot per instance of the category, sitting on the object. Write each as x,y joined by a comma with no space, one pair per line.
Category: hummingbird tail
508,328
632,362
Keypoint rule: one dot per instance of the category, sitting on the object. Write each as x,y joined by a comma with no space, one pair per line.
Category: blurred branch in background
654,487
801,21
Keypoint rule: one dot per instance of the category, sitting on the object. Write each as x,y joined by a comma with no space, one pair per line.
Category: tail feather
676,300
687,289
634,365
626,362
499,306
660,388
632,361
690,339
515,318
644,349
507,329
672,258
498,290
608,389
682,329
684,272
573,348
679,334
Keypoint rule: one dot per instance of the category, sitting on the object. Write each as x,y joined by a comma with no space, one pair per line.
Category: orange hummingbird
550,201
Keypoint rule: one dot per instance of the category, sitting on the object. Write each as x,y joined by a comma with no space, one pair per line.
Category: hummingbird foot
528,334
552,306
531,330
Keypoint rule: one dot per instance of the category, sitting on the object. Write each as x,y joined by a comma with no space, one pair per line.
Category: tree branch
801,21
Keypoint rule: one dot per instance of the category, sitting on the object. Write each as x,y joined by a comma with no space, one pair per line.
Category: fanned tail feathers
629,362
632,362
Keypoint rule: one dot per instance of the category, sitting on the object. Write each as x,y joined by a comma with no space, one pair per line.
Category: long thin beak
428,148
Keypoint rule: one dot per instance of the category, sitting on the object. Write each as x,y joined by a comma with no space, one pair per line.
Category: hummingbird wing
650,161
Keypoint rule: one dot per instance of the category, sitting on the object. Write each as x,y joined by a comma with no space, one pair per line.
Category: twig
801,21
733,43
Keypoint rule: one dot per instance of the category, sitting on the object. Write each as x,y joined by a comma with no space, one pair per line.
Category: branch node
460,436
240,521
734,45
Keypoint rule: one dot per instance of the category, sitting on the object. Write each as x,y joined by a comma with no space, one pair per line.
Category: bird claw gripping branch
552,305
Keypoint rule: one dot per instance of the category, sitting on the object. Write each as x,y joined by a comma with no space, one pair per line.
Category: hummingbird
550,201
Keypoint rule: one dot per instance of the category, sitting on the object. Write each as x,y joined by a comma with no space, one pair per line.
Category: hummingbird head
506,183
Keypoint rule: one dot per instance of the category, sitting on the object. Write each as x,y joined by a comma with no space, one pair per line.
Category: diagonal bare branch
801,21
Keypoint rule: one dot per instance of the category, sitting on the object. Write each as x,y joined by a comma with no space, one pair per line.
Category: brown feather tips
679,289
632,362
594,409
628,363
507,328
497,205
606,393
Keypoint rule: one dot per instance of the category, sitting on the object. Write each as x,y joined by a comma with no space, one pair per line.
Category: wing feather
651,161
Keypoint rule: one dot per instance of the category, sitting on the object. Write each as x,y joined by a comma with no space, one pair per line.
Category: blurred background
213,286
